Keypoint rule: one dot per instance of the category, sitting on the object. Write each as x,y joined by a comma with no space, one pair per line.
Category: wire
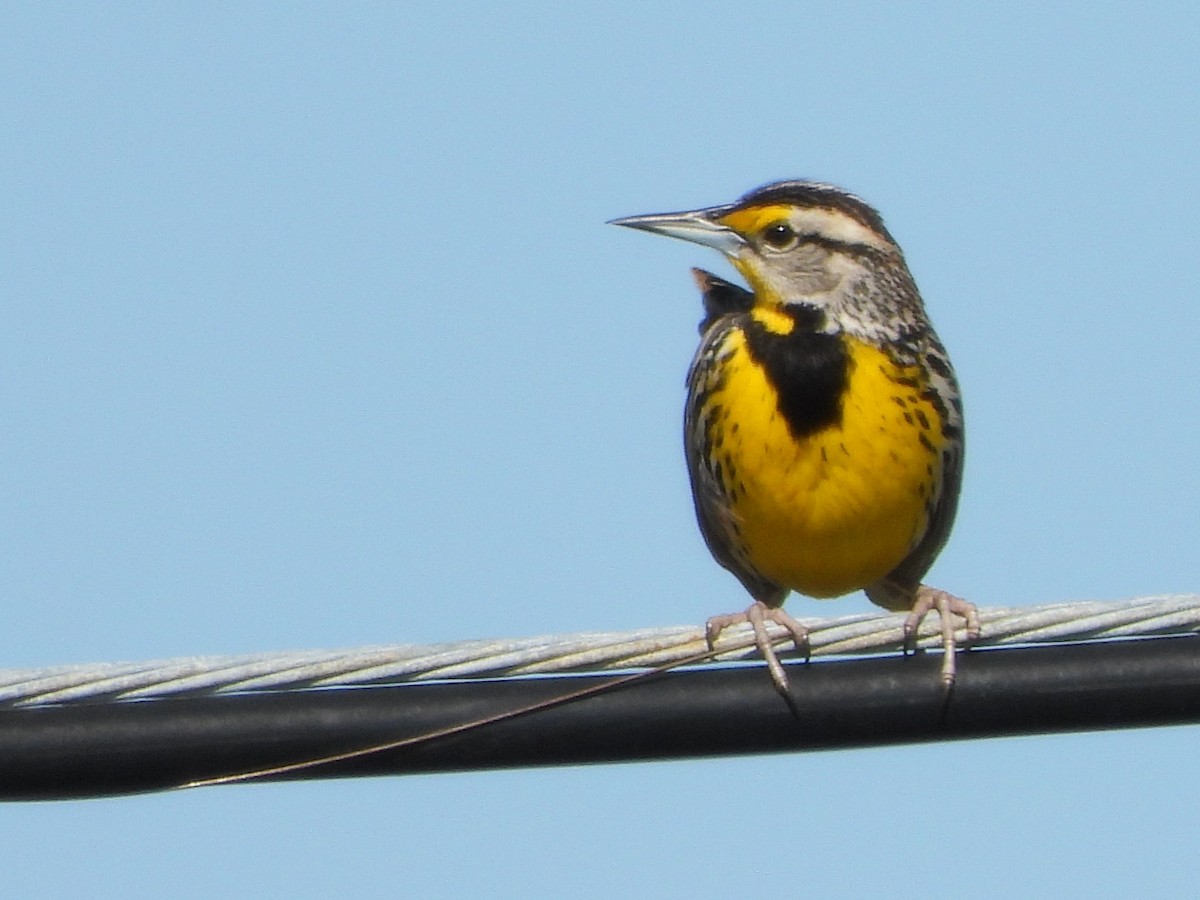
589,652
97,730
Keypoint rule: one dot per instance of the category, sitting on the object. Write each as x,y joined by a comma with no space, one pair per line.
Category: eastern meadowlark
823,428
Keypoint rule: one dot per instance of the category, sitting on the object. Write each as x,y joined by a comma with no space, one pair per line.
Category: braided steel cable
87,731
858,635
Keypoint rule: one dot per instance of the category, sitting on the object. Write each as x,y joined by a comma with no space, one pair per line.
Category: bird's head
794,241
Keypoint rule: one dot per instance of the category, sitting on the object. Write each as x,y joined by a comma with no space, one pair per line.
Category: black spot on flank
908,417
824,455
908,382
938,365
925,442
921,417
844,450
899,401
808,368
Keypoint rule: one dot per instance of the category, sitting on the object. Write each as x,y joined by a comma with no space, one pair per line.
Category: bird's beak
699,226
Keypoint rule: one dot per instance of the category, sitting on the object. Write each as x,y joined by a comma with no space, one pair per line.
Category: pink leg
947,606
757,615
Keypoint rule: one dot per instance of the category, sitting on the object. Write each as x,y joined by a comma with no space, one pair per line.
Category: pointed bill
699,226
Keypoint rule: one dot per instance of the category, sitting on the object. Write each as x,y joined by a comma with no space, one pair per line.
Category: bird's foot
758,614
947,606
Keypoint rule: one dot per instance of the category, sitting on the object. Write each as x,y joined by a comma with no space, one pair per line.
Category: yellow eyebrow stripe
753,219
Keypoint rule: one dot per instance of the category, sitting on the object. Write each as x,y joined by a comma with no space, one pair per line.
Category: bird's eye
779,236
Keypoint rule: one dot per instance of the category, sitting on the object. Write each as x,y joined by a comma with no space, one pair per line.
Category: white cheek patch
836,226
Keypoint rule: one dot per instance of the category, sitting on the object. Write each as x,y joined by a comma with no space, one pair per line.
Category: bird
823,425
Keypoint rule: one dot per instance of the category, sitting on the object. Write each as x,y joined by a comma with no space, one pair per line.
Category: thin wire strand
588,652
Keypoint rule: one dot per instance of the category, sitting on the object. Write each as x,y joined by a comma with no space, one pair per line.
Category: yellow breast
835,510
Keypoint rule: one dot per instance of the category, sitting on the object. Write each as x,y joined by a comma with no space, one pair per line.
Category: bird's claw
757,615
947,606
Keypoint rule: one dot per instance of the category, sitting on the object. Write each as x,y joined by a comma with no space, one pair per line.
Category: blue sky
313,335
